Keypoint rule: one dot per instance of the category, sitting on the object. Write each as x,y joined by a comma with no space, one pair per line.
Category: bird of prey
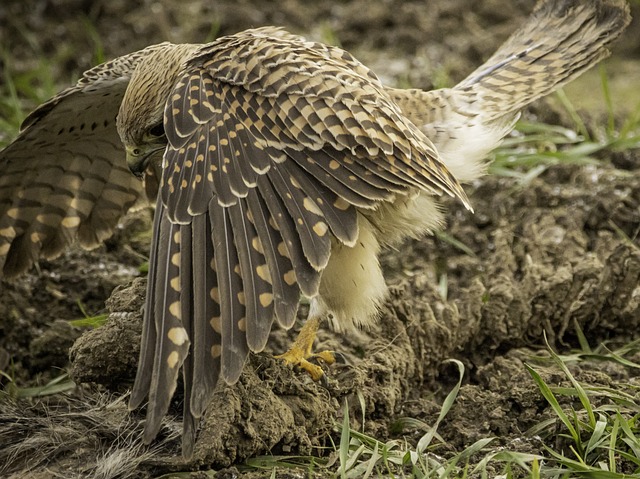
279,167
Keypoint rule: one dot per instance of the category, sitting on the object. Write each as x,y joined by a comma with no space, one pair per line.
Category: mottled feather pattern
77,185
319,201
306,277
256,278
279,80
280,271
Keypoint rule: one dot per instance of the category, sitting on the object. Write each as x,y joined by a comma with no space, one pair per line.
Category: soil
557,252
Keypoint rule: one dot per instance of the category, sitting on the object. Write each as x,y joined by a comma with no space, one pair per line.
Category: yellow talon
300,350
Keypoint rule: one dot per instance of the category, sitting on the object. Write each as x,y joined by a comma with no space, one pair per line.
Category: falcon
279,167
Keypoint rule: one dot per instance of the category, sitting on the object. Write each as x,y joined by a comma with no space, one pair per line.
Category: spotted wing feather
64,177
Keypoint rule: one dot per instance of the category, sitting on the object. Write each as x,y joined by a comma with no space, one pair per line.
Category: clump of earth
540,261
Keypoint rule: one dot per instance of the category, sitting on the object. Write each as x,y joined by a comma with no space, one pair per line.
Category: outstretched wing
65,176
273,144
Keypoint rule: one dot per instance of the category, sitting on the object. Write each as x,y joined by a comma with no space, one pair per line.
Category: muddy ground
557,252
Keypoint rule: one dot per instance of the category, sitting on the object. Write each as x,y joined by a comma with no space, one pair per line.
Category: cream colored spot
263,272
216,324
174,309
241,298
242,324
311,206
172,359
8,232
266,299
334,165
282,249
71,221
320,228
13,213
215,295
216,351
289,277
176,237
257,245
175,259
175,283
36,237
4,249
341,204
178,336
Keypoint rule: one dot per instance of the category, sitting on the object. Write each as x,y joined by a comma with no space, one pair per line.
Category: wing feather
187,292
64,176
207,339
230,291
172,342
256,278
286,291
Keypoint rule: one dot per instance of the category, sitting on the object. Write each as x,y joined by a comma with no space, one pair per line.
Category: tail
561,40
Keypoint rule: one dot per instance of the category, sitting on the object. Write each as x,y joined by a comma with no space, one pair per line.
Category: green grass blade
345,439
425,440
570,109
612,444
582,395
61,384
553,402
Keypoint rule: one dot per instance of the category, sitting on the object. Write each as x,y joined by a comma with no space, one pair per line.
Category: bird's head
140,120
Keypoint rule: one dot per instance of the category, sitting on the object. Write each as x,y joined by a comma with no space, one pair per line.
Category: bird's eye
136,152
157,130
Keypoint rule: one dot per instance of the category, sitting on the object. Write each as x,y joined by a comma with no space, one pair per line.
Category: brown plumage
282,166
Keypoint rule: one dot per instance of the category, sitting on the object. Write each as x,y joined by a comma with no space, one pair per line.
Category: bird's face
140,120
149,149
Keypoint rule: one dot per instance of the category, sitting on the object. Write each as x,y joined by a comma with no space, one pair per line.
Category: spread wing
274,143
65,176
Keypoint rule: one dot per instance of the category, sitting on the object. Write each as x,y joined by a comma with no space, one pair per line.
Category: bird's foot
300,352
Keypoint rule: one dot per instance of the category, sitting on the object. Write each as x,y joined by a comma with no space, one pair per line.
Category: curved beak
138,163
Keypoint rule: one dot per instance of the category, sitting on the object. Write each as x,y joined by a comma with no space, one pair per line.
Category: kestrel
280,166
